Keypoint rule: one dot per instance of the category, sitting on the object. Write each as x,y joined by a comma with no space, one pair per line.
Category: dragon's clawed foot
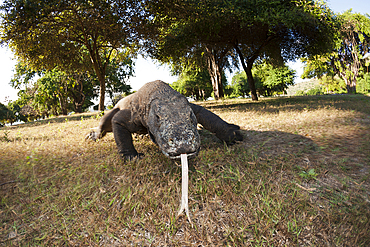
93,135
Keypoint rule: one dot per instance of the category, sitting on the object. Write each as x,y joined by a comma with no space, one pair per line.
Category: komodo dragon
168,118
171,122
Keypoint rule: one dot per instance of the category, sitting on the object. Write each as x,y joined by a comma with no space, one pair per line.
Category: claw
93,135
132,157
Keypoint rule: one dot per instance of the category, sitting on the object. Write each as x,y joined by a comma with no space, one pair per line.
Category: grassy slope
300,177
303,86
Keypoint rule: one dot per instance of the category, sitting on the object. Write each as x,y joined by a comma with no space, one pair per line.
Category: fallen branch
307,189
9,182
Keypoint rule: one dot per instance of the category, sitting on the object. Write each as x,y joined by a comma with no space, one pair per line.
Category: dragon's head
172,126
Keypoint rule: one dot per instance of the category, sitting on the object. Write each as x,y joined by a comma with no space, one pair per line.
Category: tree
119,70
273,81
22,106
352,43
354,33
54,33
16,109
239,85
6,115
81,91
269,80
333,84
195,83
282,30
52,91
57,92
364,84
277,30
178,37
49,94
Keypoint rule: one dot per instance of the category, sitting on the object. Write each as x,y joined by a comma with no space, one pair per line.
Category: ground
300,177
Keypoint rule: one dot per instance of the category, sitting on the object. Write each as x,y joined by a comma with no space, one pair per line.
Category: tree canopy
195,83
58,92
81,35
89,41
269,80
6,115
250,30
352,42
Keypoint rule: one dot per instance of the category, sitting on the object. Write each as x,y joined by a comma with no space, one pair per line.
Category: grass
301,177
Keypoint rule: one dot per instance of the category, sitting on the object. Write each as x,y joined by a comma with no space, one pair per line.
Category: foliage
239,85
333,84
363,85
118,72
14,112
309,22
352,43
269,80
177,44
311,174
6,115
272,80
57,92
304,85
310,92
250,30
325,85
195,83
52,92
73,35
23,75
22,107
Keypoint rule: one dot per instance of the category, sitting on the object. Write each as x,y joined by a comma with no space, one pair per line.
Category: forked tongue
184,187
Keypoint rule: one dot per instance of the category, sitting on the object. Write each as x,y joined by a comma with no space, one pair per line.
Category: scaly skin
169,119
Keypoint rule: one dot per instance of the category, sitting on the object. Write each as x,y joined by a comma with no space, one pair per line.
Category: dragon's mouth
190,155
174,157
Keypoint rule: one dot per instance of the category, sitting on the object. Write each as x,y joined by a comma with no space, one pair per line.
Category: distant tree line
269,81
56,92
70,52
344,69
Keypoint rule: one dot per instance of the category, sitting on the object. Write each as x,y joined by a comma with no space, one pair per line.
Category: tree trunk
102,95
215,73
77,94
100,73
63,105
252,85
100,68
78,108
350,83
248,71
351,86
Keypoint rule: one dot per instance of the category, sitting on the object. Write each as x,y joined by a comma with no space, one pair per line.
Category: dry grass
300,177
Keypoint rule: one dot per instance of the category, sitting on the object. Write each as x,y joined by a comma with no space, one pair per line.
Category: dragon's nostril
170,141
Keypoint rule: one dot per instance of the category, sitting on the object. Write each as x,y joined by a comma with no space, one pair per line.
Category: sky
147,70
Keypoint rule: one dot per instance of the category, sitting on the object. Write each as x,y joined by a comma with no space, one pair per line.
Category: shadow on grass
343,102
266,143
